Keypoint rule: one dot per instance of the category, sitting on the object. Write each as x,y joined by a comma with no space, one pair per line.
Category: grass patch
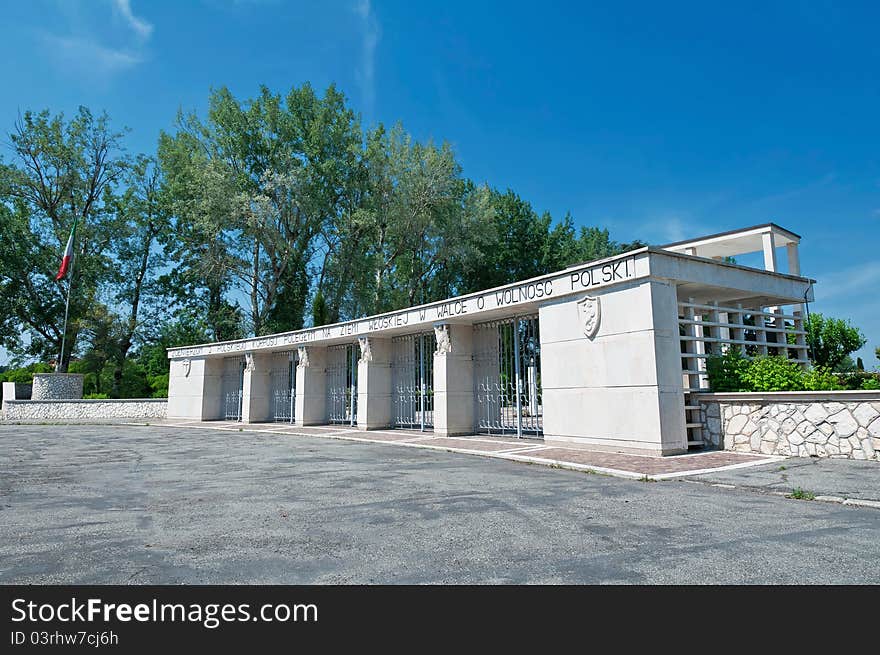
800,494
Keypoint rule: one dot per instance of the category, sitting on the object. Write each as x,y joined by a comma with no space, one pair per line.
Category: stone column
256,389
454,380
311,386
374,384
769,244
794,260
794,268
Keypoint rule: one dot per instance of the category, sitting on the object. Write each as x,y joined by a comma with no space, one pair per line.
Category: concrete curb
837,500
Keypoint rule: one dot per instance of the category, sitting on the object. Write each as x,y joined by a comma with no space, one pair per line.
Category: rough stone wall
28,410
849,430
57,386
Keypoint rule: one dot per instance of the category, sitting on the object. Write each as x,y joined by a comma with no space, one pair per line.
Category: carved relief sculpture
303,356
590,312
366,355
444,344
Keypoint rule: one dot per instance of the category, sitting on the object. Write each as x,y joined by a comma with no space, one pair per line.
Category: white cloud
366,70
849,281
666,228
85,55
138,25
100,40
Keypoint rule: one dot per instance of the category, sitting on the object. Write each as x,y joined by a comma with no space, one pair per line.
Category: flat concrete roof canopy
735,242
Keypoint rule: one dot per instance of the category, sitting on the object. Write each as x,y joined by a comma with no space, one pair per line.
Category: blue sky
661,121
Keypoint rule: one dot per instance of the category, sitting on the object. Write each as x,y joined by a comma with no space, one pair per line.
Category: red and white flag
68,253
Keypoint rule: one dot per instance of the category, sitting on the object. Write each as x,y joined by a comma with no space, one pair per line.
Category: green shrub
773,374
871,384
733,372
95,396
727,371
820,379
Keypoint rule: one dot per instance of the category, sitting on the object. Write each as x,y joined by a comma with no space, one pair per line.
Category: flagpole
66,312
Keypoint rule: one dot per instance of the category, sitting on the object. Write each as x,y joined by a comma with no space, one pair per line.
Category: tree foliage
832,340
61,170
262,215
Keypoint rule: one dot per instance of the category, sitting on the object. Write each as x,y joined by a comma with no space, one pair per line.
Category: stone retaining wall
839,424
30,410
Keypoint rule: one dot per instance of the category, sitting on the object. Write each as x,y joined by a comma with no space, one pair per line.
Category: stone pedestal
311,386
454,380
374,384
57,386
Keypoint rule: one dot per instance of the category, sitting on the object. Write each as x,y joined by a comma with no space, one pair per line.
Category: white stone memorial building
605,353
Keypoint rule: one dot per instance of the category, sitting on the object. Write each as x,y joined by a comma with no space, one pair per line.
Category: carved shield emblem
591,313
185,364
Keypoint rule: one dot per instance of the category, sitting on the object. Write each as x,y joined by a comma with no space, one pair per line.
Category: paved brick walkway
524,450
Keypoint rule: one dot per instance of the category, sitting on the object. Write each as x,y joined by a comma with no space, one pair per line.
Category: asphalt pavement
161,504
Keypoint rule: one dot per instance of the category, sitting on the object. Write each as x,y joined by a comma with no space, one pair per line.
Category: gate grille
507,377
412,374
283,379
342,368
233,382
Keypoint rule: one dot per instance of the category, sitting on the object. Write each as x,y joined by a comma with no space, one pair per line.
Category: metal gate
283,380
232,386
342,366
507,377
412,379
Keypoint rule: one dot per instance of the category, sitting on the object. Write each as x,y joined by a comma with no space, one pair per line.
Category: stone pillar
794,268
374,384
667,359
256,390
769,243
794,260
454,380
311,386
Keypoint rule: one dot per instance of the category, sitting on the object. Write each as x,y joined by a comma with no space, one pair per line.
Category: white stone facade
57,386
837,424
610,366
51,410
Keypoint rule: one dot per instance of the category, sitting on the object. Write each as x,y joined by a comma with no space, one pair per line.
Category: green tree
267,180
517,247
137,260
199,194
62,170
832,340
